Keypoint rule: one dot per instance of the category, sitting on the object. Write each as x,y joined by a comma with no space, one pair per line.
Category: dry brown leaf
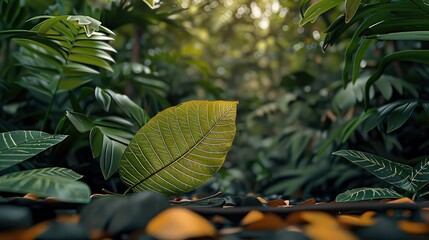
310,201
402,200
364,220
277,203
258,221
180,223
414,227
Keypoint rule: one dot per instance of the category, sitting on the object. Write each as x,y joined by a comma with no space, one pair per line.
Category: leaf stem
51,102
197,200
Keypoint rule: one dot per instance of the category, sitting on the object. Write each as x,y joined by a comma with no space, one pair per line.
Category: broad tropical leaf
391,172
18,146
420,175
180,148
362,194
47,182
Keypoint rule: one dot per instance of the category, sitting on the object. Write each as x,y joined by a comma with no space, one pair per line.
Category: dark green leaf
111,154
47,182
131,109
377,117
18,146
392,172
364,194
103,98
400,115
409,35
420,174
81,122
96,141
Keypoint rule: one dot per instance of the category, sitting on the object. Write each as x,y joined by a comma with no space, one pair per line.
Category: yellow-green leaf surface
351,8
180,148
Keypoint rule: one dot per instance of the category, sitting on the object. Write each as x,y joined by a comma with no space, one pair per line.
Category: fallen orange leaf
320,225
251,217
320,232
312,217
402,200
24,234
258,221
68,218
425,214
262,200
414,227
352,220
31,196
180,223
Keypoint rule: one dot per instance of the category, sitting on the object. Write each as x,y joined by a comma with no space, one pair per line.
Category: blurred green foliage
293,109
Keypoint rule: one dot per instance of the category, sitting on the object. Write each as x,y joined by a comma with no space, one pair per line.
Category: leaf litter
150,215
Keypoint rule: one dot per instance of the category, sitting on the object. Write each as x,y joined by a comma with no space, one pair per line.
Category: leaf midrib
184,154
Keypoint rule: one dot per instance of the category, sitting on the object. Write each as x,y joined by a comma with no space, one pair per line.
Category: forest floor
152,216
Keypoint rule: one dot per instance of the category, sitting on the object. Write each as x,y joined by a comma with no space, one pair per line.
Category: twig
197,200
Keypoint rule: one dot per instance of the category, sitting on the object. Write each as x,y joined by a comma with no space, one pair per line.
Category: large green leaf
420,174
180,148
394,173
47,182
18,146
362,194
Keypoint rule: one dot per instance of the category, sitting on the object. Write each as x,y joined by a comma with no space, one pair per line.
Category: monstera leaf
18,146
180,148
